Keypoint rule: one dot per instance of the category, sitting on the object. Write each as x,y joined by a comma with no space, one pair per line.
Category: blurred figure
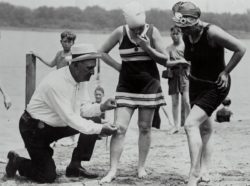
224,114
178,69
6,98
99,94
101,119
209,81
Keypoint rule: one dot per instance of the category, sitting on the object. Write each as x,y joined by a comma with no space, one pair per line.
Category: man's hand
109,104
108,129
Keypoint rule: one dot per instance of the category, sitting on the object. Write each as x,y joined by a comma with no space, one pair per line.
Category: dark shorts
179,82
206,95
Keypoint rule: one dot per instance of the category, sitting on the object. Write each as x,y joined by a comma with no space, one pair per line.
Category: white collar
69,76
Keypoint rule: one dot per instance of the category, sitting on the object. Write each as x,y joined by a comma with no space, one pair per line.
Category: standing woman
209,81
140,47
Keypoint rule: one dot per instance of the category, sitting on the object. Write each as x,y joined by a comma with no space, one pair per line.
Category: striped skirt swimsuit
139,80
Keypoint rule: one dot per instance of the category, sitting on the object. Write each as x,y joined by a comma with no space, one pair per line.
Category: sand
168,161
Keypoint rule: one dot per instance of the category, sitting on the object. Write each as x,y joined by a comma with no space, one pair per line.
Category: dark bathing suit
207,62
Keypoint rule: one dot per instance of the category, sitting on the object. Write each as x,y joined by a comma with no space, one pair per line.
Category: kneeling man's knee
48,174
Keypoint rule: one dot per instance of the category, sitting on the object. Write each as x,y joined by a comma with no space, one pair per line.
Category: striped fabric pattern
130,54
139,100
138,85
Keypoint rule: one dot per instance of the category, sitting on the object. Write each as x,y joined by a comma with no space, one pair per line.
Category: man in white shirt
55,111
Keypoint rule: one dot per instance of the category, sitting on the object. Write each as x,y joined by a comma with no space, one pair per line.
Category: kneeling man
54,113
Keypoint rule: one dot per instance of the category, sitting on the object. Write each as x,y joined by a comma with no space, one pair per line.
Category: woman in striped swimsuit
139,82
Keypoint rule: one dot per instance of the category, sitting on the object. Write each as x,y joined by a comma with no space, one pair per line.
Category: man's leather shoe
11,166
72,171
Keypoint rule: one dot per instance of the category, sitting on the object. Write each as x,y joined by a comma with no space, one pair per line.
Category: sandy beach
168,161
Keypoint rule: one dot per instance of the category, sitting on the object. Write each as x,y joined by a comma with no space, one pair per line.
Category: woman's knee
190,125
144,127
122,129
206,129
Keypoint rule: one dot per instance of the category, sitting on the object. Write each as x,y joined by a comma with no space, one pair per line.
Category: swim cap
134,14
187,9
185,14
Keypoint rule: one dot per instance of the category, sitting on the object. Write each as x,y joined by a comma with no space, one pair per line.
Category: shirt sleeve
90,109
62,106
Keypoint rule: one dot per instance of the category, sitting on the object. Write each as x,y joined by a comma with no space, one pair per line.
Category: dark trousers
37,137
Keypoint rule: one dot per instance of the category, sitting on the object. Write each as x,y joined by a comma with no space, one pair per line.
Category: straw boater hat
81,52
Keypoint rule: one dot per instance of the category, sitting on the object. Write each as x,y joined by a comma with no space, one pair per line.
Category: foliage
97,18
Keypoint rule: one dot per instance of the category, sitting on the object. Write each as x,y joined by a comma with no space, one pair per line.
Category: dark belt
37,123
201,80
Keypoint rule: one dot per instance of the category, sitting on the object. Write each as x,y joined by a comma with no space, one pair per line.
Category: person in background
178,82
224,114
209,81
62,57
99,94
57,110
6,98
139,82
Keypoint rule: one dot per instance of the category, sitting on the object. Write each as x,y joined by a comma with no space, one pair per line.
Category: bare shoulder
59,53
156,35
156,31
215,31
118,31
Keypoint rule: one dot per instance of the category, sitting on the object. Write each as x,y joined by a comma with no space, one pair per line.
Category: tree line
97,18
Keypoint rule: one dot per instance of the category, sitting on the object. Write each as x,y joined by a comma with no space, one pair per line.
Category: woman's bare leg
122,119
207,148
144,122
192,126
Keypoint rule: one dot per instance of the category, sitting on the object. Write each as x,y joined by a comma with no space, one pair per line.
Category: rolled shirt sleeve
63,107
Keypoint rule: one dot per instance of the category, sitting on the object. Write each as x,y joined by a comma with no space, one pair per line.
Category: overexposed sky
217,6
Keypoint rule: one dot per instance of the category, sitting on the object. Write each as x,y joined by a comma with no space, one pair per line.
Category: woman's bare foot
108,178
204,175
173,130
193,181
204,178
142,173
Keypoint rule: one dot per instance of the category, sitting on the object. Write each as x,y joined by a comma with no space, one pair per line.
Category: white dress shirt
57,101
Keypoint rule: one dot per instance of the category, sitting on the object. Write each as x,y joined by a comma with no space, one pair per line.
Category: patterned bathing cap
186,14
